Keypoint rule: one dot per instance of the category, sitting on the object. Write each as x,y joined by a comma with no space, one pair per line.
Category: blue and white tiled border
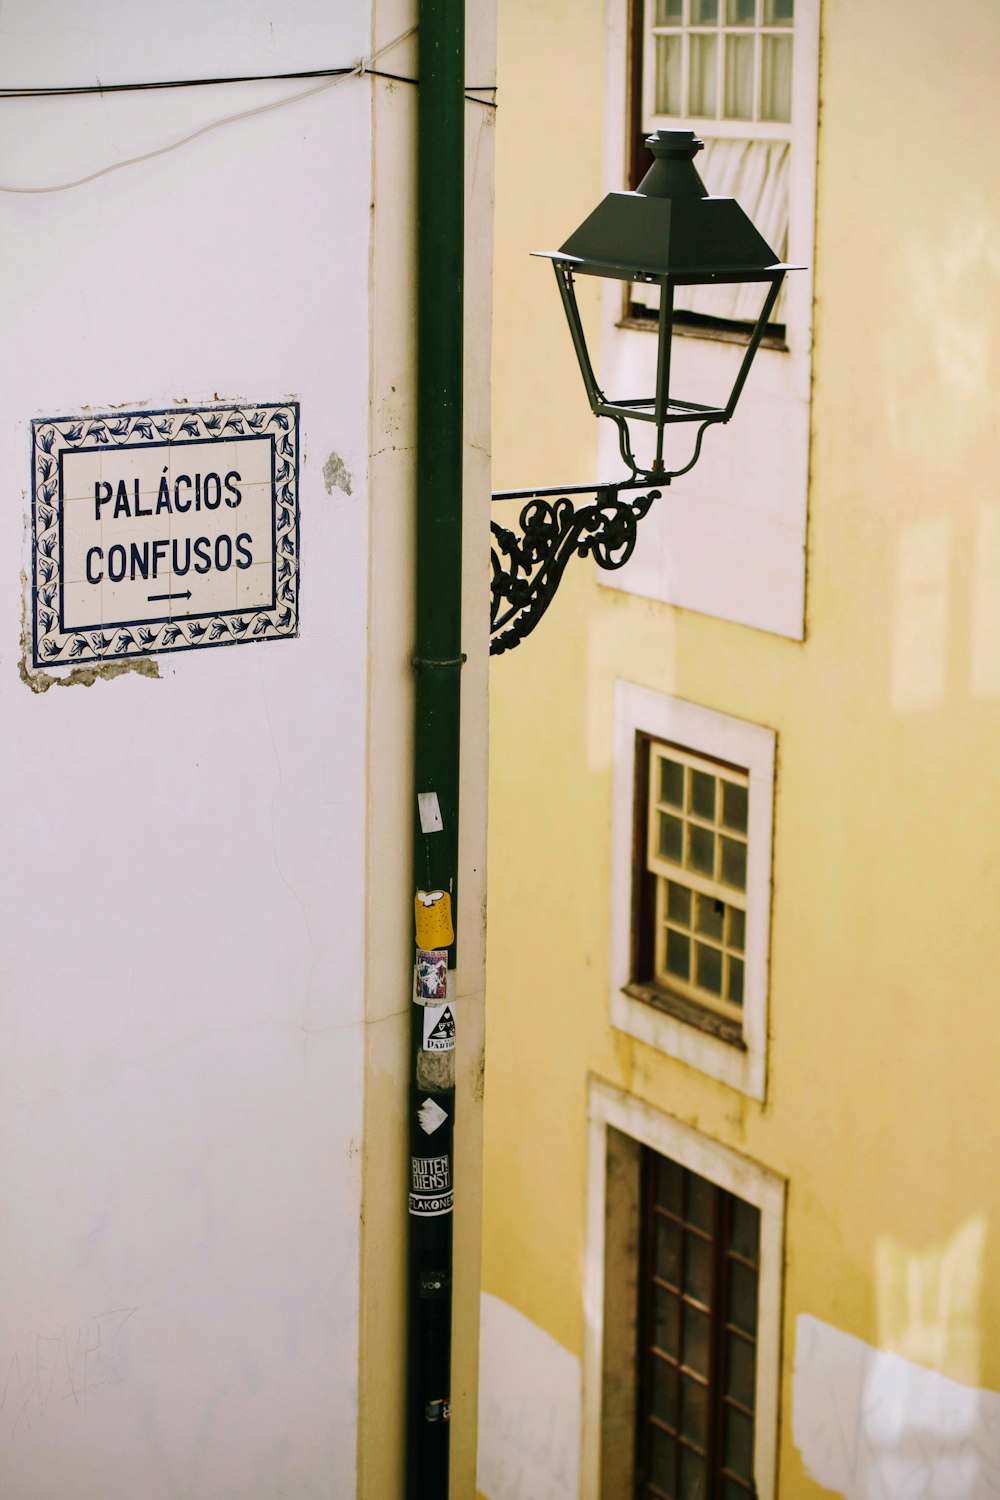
56,643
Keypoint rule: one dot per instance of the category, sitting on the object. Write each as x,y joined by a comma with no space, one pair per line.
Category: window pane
701,850
711,913
734,986
665,1381
697,1343
679,904
739,77
670,838
693,1476
740,12
698,1268
668,1251
709,968
667,95
678,954
703,93
779,12
739,1443
737,928
704,12
744,1229
665,1329
742,1297
740,1370
700,1208
669,12
733,1490
734,863
672,783
694,1411
776,78
669,1185
662,1459
734,806
703,795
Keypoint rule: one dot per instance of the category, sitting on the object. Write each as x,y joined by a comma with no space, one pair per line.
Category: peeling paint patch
40,682
336,475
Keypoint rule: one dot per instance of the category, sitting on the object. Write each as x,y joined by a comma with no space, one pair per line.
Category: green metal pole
437,664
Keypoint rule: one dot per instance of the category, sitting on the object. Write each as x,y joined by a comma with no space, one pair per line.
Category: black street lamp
669,233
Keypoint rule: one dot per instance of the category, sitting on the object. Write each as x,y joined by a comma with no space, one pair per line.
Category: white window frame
752,748
610,1108
731,542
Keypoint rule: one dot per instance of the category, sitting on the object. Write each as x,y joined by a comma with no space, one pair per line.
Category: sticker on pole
432,973
439,1028
430,1186
430,1116
159,531
432,913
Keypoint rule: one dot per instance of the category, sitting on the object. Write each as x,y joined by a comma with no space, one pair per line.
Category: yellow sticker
433,914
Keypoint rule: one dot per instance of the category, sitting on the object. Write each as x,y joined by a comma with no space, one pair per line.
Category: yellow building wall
882,1104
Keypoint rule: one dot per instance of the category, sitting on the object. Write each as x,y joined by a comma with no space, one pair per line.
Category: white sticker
439,1028
430,812
430,1182
430,1116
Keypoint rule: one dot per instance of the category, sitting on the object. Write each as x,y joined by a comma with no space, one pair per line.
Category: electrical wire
76,89
330,77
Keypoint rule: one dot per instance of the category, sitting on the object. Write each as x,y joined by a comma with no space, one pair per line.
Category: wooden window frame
732,1053
619,1126
721,1329
686,1000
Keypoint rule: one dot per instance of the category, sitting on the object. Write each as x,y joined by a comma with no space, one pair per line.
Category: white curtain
755,173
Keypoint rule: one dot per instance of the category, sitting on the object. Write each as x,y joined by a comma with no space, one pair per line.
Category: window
723,67
692,799
696,865
697,1332
683,1268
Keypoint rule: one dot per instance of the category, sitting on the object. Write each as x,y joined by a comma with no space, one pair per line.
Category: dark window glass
696,1338
672,782
668,1250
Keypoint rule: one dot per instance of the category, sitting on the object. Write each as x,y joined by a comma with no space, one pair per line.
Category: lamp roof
670,226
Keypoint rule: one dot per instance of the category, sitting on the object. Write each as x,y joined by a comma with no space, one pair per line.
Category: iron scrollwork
527,567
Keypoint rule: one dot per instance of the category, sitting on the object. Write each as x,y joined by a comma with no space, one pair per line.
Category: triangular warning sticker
445,1027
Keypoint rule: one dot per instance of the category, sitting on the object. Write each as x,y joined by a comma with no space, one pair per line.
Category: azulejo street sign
163,531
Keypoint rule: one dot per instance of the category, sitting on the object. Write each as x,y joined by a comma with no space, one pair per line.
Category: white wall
183,857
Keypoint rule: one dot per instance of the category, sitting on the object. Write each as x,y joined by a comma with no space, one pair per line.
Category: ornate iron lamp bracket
527,566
